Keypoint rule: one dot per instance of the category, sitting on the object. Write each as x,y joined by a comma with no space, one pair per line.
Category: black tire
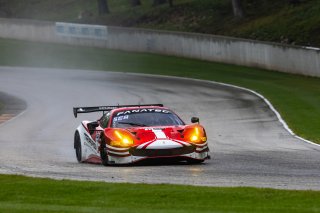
77,146
103,153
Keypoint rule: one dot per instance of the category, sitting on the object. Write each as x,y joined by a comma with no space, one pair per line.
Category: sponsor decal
81,30
120,118
106,108
98,133
90,142
126,112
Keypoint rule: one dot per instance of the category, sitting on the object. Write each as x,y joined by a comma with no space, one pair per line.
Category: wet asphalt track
248,144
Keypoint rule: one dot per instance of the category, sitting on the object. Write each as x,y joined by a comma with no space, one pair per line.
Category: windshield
145,117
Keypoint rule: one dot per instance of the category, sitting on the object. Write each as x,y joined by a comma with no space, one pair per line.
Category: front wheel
103,153
77,146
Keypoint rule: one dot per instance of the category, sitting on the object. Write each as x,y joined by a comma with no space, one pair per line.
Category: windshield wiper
132,124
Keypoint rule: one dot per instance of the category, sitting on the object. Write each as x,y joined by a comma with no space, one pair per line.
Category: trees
294,2
135,3
158,2
6,8
103,6
237,9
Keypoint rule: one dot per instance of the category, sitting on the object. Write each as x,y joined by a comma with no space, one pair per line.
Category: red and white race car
130,133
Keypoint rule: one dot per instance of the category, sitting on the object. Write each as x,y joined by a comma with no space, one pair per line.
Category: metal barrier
266,55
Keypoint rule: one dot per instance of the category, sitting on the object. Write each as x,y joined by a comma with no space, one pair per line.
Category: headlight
195,134
121,139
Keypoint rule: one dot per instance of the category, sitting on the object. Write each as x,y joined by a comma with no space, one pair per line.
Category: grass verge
296,97
23,194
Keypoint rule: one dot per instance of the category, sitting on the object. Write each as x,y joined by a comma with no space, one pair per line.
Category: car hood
147,134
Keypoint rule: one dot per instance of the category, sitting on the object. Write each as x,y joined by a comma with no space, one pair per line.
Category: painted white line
280,119
13,118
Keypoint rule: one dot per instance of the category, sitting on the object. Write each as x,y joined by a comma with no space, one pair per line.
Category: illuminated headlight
195,135
194,138
198,139
122,140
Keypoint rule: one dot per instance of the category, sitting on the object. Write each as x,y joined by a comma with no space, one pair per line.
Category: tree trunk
158,2
237,8
103,7
135,3
6,8
171,3
294,2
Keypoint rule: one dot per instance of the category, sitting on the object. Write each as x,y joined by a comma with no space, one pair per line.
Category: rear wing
77,110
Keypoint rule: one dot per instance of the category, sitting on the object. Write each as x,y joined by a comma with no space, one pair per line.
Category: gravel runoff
249,146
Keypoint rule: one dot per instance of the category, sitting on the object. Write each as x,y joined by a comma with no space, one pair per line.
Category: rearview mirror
194,120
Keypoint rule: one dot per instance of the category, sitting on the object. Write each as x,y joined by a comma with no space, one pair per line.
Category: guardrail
267,55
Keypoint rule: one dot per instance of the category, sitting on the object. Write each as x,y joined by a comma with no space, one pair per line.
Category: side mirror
92,126
194,120
95,124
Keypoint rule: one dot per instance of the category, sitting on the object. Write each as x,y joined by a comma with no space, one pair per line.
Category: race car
126,134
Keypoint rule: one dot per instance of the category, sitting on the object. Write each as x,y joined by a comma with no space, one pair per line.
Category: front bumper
133,155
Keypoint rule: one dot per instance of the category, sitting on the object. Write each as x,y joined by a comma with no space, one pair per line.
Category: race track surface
248,144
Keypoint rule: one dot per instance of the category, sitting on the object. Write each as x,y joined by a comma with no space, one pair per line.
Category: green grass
22,194
296,97
293,25
271,20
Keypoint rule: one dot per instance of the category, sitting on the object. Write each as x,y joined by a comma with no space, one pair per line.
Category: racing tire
77,146
103,153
